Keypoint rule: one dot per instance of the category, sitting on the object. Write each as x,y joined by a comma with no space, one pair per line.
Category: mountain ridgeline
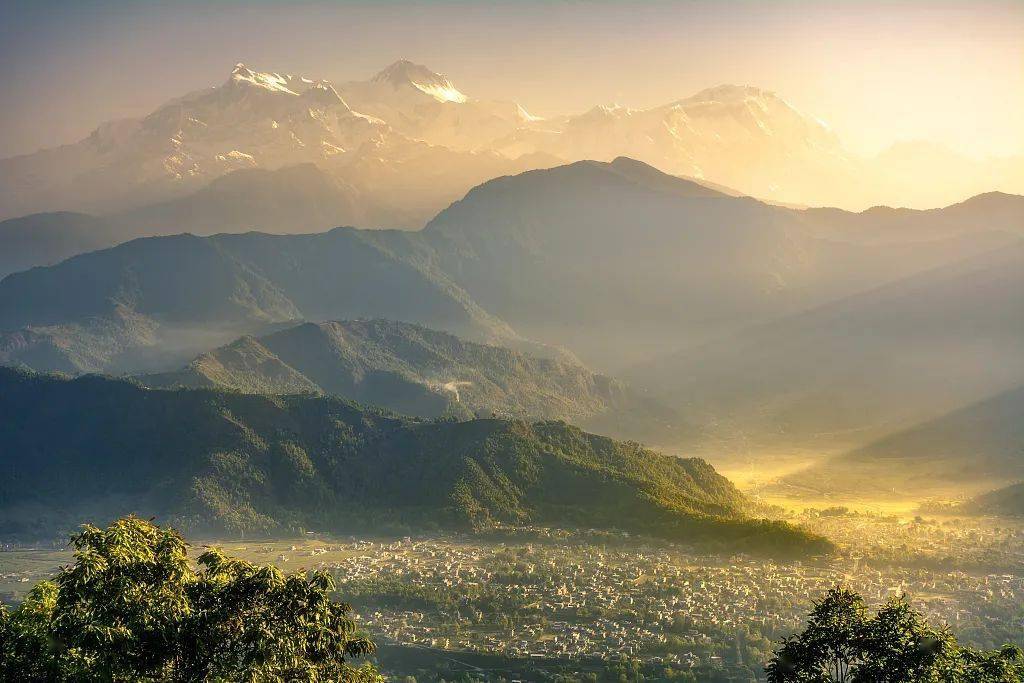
404,143
48,238
105,310
414,370
968,450
865,366
381,172
555,255
792,328
618,260
218,462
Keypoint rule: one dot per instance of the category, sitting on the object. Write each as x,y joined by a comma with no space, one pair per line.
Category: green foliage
255,465
415,370
844,643
132,608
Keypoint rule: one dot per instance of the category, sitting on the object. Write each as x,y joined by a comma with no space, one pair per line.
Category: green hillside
415,370
219,462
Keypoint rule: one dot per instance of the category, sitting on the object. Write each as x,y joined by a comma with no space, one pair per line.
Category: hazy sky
878,72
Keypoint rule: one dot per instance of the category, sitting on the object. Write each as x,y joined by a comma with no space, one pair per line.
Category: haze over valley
545,388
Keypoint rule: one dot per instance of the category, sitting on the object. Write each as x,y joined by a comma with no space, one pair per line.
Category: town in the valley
538,603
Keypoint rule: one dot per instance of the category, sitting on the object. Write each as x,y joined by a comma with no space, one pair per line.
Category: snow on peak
287,84
767,111
526,116
324,93
406,73
730,93
603,112
243,75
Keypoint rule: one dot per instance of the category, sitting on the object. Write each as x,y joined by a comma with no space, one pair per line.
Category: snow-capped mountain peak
404,73
728,93
244,76
319,91
406,118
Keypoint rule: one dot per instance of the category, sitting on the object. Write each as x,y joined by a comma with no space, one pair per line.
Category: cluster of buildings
572,600
587,597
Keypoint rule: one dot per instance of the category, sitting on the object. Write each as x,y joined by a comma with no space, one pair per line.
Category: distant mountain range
152,303
44,239
400,146
293,199
617,260
418,371
614,261
216,462
856,369
262,121
792,328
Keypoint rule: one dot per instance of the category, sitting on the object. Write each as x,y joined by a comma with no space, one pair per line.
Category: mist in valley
537,385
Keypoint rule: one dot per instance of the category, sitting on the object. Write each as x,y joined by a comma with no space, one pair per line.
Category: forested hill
219,462
415,370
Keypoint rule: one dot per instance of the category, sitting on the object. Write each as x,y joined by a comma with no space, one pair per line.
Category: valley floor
537,603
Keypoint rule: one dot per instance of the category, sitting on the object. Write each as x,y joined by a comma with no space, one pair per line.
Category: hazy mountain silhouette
408,141
291,200
618,261
971,449
861,367
176,296
889,226
44,239
615,261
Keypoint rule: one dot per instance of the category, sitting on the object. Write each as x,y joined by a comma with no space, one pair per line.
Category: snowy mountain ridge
409,140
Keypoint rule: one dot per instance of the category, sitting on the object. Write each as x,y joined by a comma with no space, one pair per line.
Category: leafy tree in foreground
843,643
132,608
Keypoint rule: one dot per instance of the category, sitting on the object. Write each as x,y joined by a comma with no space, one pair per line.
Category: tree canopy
844,643
265,465
133,608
